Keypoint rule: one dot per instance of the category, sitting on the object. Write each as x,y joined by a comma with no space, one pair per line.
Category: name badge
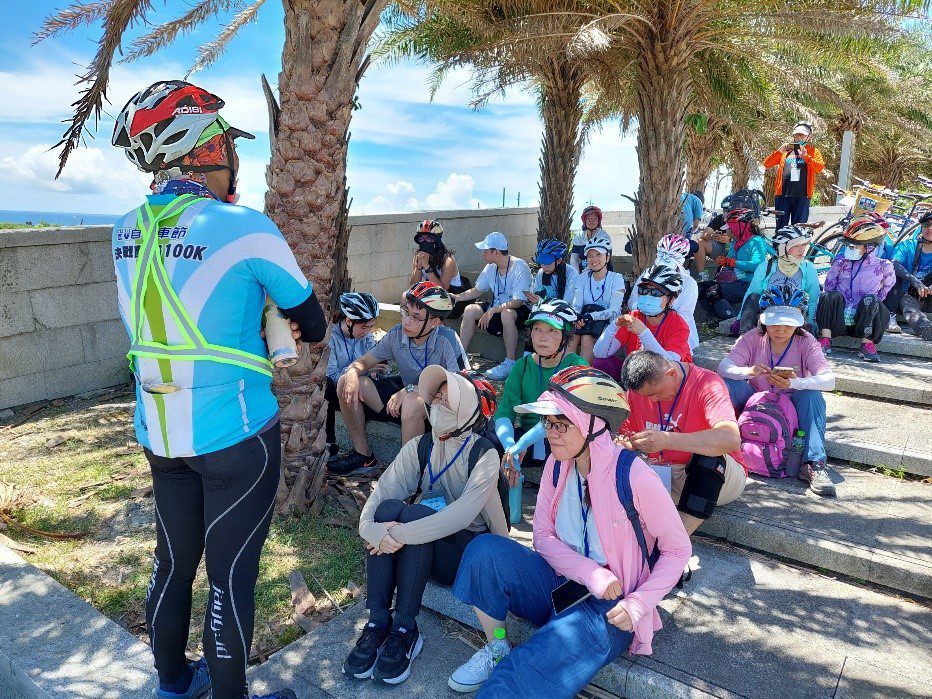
794,173
435,500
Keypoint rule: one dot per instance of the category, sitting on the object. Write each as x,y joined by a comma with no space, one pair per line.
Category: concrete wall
60,332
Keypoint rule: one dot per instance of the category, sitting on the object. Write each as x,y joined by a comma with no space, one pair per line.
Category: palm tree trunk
561,86
663,89
740,167
770,183
322,61
701,149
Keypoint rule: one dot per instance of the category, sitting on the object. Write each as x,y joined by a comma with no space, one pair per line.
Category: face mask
801,143
442,420
788,264
650,305
852,254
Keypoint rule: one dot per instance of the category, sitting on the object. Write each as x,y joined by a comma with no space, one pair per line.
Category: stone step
904,344
877,529
750,626
865,431
902,378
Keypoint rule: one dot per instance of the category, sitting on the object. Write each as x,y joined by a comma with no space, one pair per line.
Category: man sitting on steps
695,432
507,277
418,341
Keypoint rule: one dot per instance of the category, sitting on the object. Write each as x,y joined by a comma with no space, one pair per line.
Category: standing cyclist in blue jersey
193,272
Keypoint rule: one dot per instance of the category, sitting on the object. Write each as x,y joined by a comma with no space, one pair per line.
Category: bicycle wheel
823,250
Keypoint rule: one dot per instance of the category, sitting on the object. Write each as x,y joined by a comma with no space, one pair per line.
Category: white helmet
673,247
165,122
359,307
788,236
667,278
599,242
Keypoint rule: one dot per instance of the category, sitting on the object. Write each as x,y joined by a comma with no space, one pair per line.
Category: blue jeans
810,409
795,210
499,575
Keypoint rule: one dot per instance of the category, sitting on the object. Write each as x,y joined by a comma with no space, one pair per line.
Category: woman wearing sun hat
622,565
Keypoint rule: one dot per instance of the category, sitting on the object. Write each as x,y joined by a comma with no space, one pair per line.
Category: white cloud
90,171
455,192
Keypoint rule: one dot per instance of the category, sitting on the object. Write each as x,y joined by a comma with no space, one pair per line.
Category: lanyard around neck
779,362
584,514
430,472
421,365
591,292
664,425
504,288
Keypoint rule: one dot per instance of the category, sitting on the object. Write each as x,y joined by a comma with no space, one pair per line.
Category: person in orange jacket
797,163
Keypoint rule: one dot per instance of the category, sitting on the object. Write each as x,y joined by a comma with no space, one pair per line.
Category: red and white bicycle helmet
431,297
674,246
165,122
591,210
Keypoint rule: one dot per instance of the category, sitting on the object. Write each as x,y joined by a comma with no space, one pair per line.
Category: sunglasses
559,427
651,291
426,238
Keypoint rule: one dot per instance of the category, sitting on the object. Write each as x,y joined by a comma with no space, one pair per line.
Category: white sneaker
500,372
470,676
894,327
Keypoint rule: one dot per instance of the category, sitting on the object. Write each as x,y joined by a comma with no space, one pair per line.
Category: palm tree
323,59
490,37
657,47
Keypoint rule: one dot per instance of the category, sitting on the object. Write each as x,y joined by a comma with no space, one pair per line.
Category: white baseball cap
493,241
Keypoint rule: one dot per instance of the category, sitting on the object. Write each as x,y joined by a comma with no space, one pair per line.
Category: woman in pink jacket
587,549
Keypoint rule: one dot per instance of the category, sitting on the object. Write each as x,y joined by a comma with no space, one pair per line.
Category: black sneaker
401,647
361,661
333,451
351,462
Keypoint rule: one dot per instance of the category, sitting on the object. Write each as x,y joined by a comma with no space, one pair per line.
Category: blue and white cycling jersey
222,260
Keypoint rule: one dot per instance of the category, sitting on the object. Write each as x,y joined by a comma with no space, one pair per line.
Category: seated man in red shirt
682,416
654,325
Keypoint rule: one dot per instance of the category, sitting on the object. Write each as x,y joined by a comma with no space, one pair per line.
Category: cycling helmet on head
163,123
430,226
549,250
674,246
666,277
740,214
431,297
599,242
783,305
788,236
556,313
872,217
864,232
591,210
594,392
485,392
359,307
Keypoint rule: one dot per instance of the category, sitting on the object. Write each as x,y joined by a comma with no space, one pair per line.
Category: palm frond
117,19
164,34
77,15
210,52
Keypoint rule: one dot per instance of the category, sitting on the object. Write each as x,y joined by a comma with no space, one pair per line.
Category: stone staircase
794,596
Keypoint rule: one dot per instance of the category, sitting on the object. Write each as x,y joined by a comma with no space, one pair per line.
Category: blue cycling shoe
200,683
280,694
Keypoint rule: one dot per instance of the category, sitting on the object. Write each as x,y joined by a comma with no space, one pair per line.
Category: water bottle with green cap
499,647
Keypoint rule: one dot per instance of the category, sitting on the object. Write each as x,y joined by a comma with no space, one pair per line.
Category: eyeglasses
440,396
406,312
560,427
651,291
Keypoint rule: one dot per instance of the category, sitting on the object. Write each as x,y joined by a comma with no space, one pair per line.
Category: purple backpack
767,426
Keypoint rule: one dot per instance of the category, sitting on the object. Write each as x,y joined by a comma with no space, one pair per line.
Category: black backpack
745,199
476,452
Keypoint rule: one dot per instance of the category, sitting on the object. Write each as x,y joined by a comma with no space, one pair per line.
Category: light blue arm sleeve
505,431
534,435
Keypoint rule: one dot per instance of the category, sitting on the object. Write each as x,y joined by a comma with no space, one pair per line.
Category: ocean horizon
59,218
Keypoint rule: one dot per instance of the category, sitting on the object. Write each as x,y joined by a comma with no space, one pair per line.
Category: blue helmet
783,305
549,251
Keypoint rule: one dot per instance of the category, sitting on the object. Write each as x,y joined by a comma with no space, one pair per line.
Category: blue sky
406,153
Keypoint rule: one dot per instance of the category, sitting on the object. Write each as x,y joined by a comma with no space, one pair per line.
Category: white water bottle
283,350
499,647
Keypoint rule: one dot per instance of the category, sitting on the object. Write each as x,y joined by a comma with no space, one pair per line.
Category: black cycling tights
221,502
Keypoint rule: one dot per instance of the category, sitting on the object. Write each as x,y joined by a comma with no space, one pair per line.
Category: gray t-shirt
442,347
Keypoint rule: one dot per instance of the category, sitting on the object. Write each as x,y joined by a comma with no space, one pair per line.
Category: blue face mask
650,305
852,254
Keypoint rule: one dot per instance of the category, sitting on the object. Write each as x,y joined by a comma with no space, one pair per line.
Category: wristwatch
410,388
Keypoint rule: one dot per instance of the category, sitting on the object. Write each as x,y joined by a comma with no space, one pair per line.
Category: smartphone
784,371
567,595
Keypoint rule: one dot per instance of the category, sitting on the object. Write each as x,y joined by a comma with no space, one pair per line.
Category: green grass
892,472
110,568
9,225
